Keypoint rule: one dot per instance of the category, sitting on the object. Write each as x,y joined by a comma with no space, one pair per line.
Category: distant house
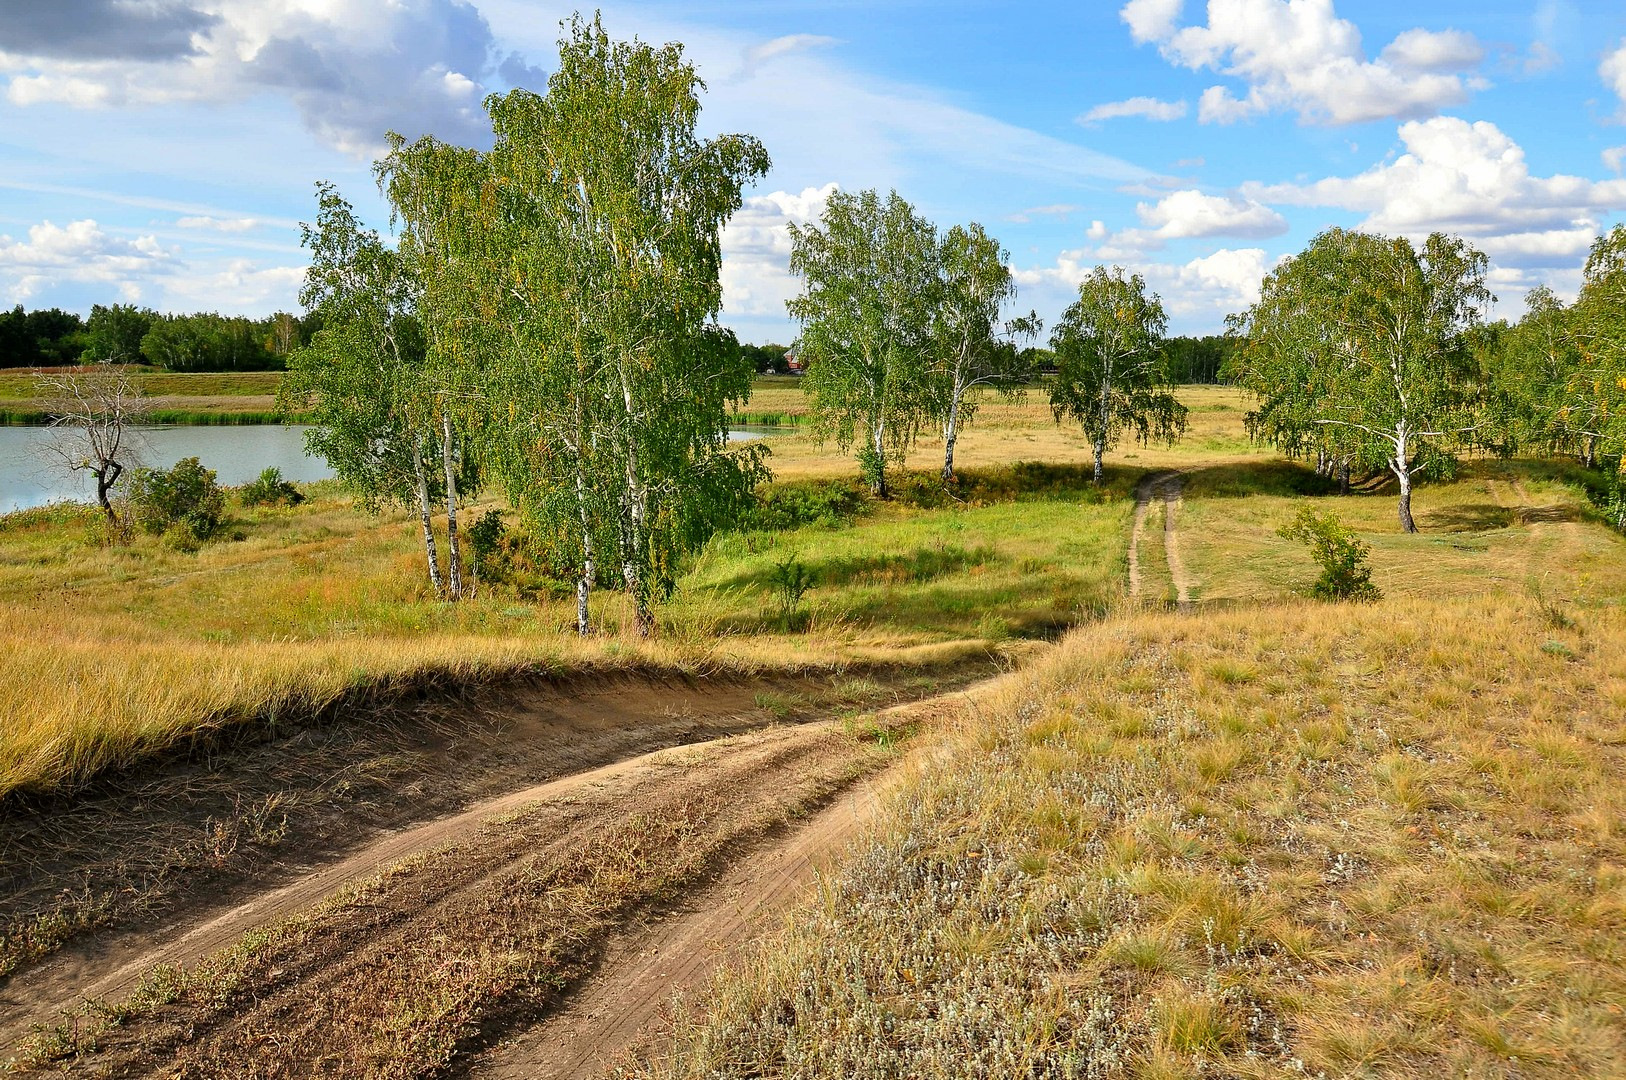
793,361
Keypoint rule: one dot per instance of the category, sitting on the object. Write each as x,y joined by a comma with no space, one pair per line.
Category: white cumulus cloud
1613,70
1299,56
756,274
1186,215
1151,20
1197,294
352,68
81,252
1192,213
1467,178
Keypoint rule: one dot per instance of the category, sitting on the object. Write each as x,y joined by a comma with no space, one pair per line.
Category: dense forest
206,341
127,334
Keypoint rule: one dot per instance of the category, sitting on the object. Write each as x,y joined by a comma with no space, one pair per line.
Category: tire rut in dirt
430,960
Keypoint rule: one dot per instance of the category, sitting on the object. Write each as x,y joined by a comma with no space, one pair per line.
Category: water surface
237,454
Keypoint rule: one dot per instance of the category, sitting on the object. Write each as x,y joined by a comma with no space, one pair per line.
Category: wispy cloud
1146,108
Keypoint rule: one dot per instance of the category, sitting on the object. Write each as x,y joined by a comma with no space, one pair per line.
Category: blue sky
164,151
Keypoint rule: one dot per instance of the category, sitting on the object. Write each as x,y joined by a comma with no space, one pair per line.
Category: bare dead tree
93,411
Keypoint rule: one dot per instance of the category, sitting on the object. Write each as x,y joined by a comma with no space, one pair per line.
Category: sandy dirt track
620,1005
372,930
1166,486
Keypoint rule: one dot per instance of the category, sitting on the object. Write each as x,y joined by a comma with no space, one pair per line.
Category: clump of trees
1199,360
1360,351
1369,354
767,359
1556,380
546,321
45,337
899,325
130,334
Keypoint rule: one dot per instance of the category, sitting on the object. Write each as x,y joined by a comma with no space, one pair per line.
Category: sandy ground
782,800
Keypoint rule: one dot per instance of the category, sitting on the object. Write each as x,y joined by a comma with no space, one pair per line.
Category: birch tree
1596,392
434,190
870,284
971,348
607,210
1111,375
361,375
1535,378
1380,332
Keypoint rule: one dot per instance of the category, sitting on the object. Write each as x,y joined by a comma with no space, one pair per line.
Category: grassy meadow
1267,837
231,397
1281,840
115,652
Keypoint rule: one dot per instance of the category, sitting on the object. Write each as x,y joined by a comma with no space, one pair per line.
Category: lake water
237,454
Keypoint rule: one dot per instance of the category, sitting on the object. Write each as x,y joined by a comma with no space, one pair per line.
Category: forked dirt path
406,928
620,1007
59,985
1168,487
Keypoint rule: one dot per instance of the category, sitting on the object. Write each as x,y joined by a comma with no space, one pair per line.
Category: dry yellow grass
1294,840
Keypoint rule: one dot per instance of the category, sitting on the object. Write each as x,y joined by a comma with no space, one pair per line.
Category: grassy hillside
242,397
1279,841
111,653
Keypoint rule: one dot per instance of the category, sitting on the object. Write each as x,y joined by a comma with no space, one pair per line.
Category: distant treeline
1189,359
127,334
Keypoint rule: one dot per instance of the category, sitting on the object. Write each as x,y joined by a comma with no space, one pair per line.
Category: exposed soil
620,1007
345,965
1166,486
197,838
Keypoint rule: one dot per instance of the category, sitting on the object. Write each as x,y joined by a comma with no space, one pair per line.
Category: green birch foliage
971,348
870,285
606,210
1112,375
356,376
1346,573
1597,391
1284,353
1531,374
1372,337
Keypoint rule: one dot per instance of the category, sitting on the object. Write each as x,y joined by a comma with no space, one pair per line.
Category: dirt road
619,1007
533,932
1167,487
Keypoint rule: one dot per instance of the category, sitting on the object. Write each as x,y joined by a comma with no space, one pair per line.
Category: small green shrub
270,489
184,499
1345,573
485,542
782,507
791,581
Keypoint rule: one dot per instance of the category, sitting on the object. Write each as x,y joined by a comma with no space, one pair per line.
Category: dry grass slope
1299,840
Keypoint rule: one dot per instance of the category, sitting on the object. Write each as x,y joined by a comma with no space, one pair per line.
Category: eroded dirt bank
350,962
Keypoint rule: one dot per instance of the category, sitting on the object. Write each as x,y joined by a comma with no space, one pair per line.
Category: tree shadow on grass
1236,480
1465,517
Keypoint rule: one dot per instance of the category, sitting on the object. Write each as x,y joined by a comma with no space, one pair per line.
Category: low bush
782,507
270,489
1345,572
183,503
